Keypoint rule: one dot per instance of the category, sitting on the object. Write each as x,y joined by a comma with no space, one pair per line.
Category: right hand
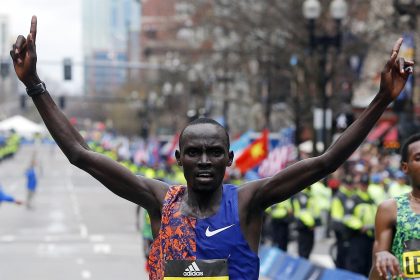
387,262
24,57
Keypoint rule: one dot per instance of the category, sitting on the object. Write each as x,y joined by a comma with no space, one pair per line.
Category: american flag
281,155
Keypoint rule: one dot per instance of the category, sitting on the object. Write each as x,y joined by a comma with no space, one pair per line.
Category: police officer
342,206
399,185
281,216
307,215
361,222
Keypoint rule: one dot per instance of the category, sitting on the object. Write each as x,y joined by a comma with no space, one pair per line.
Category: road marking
8,238
83,231
102,248
97,238
86,274
48,238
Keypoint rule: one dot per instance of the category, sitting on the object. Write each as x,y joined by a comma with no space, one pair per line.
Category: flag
168,150
239,145
153,152
253,154
141,155
281,156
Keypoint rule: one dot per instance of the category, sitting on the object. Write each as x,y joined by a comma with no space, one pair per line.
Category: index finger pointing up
33,28
395,49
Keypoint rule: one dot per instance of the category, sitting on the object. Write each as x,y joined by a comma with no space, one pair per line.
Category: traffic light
67,63
4,69
62,102
22,101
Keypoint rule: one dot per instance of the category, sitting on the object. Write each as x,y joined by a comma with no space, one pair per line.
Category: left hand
395,73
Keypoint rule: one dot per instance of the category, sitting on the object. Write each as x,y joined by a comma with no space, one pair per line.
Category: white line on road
97,238
8,238
86,274
84,233
102,248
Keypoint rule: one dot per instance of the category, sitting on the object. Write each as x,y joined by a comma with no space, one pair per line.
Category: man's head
204,154
410,159
363,181
405,147
201,121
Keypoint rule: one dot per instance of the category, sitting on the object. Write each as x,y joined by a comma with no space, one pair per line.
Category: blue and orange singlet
216,237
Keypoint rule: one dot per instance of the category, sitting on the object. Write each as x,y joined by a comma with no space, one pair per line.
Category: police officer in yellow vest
399,186
377,189
281,217
342,206
307,214
361,222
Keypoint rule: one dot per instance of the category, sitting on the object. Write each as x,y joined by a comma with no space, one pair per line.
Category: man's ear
231,156
178,157
404,167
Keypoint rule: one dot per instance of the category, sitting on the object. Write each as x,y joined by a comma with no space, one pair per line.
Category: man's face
412,166
204,156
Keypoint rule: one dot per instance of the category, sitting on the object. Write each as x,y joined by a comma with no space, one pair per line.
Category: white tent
22,126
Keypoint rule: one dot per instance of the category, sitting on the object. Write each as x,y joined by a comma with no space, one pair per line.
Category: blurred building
9,97
110,32
166,40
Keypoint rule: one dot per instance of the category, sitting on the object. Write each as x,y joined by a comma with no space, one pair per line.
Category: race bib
198,269
411,259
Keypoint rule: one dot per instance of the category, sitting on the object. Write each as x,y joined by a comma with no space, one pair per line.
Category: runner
31,183
397,226
204,228
4,197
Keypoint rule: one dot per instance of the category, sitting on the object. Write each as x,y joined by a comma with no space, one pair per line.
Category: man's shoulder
388,204
387,210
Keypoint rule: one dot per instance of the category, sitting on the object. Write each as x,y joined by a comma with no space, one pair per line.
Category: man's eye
217,153
192,153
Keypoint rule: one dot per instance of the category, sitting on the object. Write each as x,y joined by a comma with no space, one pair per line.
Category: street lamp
311,11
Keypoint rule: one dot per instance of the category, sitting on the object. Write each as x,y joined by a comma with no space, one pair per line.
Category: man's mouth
204,175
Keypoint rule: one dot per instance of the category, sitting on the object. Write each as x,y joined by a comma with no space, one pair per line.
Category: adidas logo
193,270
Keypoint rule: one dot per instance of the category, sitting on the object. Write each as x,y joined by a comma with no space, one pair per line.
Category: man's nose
204,159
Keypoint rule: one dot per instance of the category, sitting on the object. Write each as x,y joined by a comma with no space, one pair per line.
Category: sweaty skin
204,154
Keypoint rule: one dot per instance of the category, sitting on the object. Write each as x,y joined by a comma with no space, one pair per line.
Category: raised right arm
145,192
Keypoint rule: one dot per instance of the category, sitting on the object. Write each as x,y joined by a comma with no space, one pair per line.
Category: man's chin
205,187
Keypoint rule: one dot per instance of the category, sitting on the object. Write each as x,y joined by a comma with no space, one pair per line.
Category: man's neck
415,193
201,204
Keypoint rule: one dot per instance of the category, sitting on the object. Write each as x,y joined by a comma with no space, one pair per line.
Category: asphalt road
77,229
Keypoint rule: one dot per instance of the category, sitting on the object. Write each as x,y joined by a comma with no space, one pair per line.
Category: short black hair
365,179
404,149
205,120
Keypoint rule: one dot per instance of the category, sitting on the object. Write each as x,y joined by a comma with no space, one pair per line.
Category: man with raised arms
204,228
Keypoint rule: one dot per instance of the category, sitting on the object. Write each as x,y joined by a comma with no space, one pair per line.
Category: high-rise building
108,28
9,97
